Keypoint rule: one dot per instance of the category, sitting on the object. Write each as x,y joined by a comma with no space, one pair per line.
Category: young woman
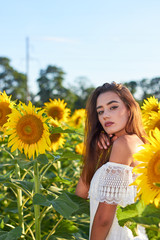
107,174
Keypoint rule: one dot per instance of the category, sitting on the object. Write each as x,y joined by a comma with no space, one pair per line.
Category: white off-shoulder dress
110,184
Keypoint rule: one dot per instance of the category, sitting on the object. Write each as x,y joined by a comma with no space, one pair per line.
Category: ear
129,112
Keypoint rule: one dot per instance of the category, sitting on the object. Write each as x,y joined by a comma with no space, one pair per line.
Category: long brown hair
93,157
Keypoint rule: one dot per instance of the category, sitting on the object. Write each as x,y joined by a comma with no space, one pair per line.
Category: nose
106,114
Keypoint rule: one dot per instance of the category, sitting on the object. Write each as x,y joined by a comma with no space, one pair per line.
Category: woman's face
112,113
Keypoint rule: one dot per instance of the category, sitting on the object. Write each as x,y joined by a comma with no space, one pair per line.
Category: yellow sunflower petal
57,140
79,148
57,110
28,130
149,170
157,201
78,118
6,106
15,146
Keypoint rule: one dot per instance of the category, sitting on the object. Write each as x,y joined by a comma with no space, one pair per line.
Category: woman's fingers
113,138
103,141
99,144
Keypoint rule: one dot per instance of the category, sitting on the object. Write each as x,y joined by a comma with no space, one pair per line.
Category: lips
108,124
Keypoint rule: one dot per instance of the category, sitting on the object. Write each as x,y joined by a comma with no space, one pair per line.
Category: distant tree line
51,85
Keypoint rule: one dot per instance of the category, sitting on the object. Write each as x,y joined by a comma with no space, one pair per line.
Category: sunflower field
41,156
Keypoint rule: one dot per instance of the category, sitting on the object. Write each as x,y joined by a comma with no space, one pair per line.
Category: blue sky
101,40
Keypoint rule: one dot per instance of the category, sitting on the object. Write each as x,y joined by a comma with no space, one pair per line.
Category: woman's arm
121,153
82,189
102,221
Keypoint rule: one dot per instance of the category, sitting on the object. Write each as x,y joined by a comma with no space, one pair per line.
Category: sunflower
57,110
28,130
79,148
57,139
78,118
148,170
153,121
6,106
151,105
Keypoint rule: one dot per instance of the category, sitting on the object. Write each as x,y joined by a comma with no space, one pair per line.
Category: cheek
124,113
100,119
123,116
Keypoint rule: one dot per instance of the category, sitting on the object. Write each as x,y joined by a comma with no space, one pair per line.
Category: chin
110,132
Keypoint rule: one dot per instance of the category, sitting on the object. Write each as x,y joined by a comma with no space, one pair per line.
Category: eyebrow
113,101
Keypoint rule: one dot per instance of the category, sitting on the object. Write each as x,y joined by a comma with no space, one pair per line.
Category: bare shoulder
123,149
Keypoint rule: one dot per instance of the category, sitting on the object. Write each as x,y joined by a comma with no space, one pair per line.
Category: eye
113,107
100,112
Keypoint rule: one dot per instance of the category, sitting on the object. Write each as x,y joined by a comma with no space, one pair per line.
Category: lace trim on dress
113,184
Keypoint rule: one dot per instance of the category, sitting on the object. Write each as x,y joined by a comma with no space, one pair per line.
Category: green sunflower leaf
14,234
42,158
65,205
39,199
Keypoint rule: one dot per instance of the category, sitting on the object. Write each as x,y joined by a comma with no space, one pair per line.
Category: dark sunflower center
78,120
157,168
29,129
153,170
55,137
4,111
157,124
56,113
155,108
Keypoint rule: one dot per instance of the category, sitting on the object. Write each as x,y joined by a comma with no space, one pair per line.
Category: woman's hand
82,189
105,141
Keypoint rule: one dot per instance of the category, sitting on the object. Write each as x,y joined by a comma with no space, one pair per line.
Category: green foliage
82,91
144,88
50,85
132,86
138,213
12,81
62,214
11,235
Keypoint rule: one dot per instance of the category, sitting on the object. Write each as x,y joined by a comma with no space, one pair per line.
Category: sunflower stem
37,207
19,199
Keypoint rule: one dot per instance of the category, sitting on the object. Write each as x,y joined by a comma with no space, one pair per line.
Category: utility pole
27,70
